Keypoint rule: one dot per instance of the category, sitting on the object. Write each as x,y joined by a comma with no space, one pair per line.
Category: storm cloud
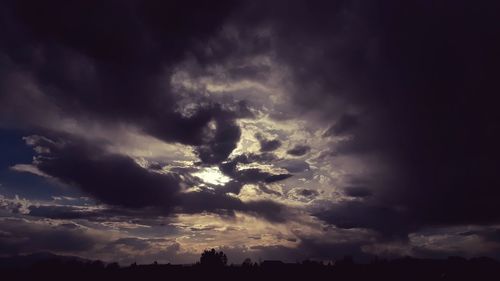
373,125
413,85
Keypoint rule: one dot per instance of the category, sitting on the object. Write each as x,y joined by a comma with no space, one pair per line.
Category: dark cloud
294,165
255,175
111,178
308,192
146,250
392,222
102,213
250,175
114,67
346,123
268,190
134,243
357,191
60,212
278,177
119,181
21,236
307,248
299,150
422,77
490,234
232,186
197,202
267,145
321,250
224,141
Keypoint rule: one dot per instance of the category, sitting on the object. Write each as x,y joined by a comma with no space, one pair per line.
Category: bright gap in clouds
212,175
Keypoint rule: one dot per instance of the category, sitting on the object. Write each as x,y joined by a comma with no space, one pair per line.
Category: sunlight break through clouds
212,175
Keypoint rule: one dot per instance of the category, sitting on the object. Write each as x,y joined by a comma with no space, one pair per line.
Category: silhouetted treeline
453,268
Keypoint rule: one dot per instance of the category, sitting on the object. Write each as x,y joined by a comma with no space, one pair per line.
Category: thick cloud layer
374,125
19,236
114,179
115,66
118,180
413,84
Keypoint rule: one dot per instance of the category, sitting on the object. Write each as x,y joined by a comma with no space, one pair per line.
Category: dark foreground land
398,269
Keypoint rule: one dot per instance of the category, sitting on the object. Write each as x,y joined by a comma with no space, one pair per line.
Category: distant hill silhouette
27,261
47,266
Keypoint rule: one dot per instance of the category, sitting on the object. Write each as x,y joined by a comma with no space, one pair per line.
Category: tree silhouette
247,263
113,266
213,258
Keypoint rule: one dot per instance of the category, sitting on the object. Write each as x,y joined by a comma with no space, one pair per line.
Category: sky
140,131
